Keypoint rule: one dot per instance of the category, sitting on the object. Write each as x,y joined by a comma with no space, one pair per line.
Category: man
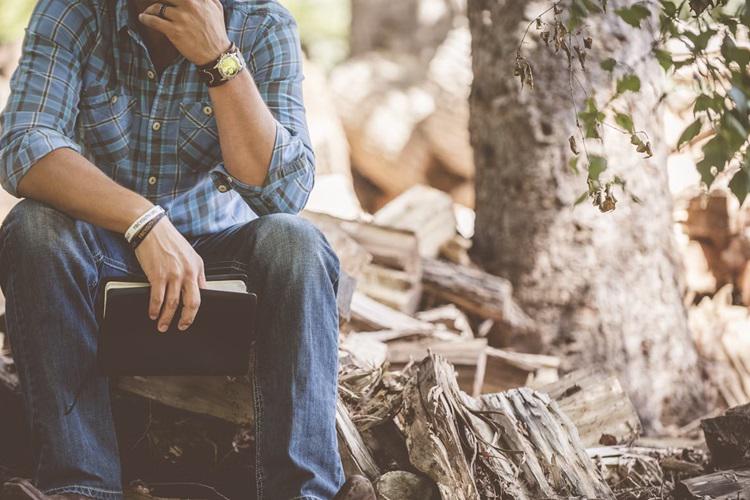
122,112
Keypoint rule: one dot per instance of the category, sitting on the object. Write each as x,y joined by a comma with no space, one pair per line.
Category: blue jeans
50,269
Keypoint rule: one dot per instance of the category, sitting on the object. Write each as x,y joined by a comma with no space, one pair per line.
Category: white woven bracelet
142,221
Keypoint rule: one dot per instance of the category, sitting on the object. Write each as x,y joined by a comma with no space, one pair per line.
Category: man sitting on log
165,141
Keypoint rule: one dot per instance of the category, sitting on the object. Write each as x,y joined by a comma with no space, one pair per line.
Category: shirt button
208,110
152,180
150,74
223,188
156,126
113,100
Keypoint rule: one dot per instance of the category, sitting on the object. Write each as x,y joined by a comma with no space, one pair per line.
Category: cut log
430,420
720,335
376,316
721,485
475,291
381,102
425,211
447,128
509,370
354,454
547,451
397,289
467,357
597,404
389,247
727,437
513,445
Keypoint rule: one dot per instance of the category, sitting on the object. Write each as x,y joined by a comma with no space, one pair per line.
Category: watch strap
210,73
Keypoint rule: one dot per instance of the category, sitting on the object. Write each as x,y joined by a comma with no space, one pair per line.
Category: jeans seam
258,410
20,339
90,491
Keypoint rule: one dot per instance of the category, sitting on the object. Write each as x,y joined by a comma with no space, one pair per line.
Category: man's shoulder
266,12
67,22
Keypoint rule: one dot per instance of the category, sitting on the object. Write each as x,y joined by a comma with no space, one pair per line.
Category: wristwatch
224,68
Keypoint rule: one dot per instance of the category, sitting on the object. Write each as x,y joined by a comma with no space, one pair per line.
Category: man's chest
136,124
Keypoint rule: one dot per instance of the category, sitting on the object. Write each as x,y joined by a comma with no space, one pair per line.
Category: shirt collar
122,14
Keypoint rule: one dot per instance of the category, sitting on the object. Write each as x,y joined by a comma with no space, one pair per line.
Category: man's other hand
195,27
175,271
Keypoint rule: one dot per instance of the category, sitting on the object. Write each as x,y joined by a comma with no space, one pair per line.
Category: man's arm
261,121
39,158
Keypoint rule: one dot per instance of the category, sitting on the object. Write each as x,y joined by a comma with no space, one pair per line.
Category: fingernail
162,328
183,327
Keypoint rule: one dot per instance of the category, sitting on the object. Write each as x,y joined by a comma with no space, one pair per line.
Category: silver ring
161,11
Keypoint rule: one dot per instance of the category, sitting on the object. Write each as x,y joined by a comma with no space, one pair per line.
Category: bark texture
604,288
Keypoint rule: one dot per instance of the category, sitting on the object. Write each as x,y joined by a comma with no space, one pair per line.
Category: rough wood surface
728,437
509,370
354,453
431,415
478,292
425,211
596,402
376,316
515,445
721,485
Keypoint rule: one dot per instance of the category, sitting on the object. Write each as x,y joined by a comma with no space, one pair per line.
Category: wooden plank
721,485
596,402
478,292
425,211
509,370
374,315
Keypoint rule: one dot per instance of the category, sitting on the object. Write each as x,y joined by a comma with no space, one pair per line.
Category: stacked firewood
715,240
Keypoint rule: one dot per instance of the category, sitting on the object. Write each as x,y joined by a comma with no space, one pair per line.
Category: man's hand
174,269
195,27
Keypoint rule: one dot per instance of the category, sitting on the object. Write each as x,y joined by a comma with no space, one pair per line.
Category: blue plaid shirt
86,82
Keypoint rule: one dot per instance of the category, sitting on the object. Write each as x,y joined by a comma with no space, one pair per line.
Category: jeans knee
38,231
294,245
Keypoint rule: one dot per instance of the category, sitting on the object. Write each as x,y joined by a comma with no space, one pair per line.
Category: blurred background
655,293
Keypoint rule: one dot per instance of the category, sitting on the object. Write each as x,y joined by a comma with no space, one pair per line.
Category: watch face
229,66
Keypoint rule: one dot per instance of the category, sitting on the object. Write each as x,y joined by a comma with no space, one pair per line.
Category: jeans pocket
198,142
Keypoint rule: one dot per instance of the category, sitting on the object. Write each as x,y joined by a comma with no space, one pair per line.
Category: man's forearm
70,183
247,129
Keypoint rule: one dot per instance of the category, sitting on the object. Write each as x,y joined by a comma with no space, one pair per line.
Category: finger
157,298
171,301
201,275
191,301
155,22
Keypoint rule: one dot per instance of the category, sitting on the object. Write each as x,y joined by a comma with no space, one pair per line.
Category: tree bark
604,287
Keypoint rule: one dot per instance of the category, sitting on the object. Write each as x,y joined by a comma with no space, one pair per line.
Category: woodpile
427,407
406,114
714,235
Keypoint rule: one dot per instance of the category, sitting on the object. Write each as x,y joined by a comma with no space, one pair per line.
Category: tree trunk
604,287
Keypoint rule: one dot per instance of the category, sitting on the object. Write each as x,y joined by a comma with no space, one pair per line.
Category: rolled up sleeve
45,89
276,64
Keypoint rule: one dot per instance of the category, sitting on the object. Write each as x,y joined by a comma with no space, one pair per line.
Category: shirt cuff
32,146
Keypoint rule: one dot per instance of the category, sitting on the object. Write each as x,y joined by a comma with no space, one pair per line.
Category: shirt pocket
106,118
198,141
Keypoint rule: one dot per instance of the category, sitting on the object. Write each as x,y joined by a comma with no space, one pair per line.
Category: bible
217,343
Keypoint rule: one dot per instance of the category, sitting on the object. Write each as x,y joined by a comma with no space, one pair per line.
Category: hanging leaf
628,82
740,184
664,58
634,14
625,121
690,133
573,145
597,165
608,64
581,198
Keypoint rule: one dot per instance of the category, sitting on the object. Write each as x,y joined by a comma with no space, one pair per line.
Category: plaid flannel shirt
86,82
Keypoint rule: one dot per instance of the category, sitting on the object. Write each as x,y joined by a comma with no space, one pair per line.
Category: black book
217,343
